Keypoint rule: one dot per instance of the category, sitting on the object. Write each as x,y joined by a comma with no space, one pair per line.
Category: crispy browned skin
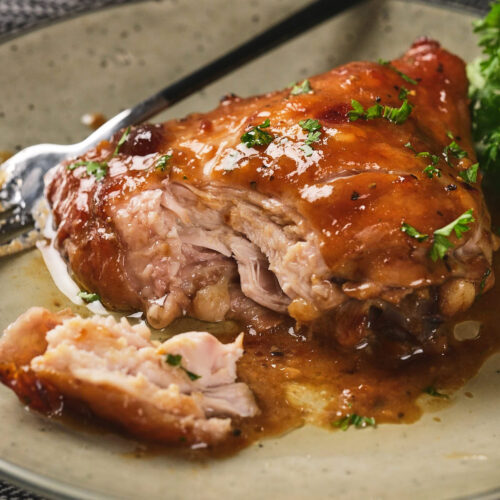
356,189
134,387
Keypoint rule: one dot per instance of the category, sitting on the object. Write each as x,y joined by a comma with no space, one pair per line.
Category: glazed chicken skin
289,197
181,390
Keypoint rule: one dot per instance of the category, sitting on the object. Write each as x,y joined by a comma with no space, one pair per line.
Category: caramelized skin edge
355,190
50,391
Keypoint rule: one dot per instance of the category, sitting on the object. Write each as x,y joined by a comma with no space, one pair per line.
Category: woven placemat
17,16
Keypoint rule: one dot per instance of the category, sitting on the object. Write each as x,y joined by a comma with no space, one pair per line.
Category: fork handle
299,22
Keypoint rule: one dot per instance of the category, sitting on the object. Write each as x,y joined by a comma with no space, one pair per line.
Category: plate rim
35,482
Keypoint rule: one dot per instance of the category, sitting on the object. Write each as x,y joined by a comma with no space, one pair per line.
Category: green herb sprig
256,136
98,169
162,162
484,91
411,231
441,242
88,297
394,115
355,420
453,149
483,280
314,135
404,76
302,88
432,391
122,140
176,360
469,175
430,169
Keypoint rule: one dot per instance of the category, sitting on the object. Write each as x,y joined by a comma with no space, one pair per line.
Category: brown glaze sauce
298,380
299,377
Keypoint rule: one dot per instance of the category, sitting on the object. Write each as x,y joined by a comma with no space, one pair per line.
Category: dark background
17,16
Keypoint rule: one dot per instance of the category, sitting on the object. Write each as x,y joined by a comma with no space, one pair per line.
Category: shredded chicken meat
182,389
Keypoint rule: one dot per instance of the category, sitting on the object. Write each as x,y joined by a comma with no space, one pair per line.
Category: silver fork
21,176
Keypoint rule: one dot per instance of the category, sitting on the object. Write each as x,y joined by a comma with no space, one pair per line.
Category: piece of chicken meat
181,390
314,199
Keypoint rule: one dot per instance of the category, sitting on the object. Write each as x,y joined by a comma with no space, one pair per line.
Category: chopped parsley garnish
303,88
308,150
256,136
353,419
123,138
433,392
394,115
357,111
404,76
403,93
162,162
88,297
314,129
470,174
176,360
483,280
96,168
411,231
453,149
441,242
430,169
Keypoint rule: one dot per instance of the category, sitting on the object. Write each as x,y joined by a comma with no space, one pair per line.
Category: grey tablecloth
19,15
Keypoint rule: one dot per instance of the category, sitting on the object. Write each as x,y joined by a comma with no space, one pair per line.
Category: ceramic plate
108,60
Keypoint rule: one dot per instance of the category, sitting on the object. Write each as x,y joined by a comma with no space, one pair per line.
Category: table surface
17,16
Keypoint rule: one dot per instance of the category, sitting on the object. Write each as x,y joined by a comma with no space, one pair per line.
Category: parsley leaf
483,280
308,150
314,129
88,297
303,88
411,231
256,136
353,419
430,169
404,76
356,112
441,242
162,162
439,247
192,375
123,138
403,93
453,149
431,390
175,360
310,125
398,115
470,174
394,115
96,168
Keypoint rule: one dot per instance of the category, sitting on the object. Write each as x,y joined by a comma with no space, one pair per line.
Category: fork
22,191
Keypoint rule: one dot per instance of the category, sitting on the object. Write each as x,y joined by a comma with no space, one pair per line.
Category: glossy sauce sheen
361,168
377,184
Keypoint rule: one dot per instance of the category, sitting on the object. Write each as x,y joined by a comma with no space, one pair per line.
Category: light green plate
111,59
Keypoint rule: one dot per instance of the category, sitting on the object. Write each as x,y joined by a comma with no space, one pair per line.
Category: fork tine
10,195
15,221
19,243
